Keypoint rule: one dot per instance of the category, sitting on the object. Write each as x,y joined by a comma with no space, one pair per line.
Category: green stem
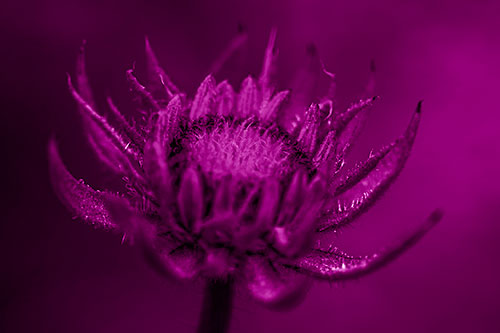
217,307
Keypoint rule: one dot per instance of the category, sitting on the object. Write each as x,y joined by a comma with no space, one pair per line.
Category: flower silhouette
232,185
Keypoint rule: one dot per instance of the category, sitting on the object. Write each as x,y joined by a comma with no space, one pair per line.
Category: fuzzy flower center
239,150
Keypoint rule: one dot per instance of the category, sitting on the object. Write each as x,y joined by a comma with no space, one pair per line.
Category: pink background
58,275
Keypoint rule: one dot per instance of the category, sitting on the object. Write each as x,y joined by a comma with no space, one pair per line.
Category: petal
83,201
159,82
303,89
273,285
269,109
202,103
336,265
132,133
348,125
364,187
236,43
106,141
190,197
268,66
248,98
142,93
308,135
293,198
163,254
294,238
224,99
269,201
184,262
82,81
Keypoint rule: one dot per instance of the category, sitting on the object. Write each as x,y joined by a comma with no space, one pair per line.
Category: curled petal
190,197
224,99
336,265
203,99
83,201
248,98
366,184
273,285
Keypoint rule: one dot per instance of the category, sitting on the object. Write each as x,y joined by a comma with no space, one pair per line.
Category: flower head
234,185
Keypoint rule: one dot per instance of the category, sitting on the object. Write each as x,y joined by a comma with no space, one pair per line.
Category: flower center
240,150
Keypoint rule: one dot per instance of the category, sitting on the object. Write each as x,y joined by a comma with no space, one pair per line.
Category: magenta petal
308,135
82,81
273,285
269,108
268,203
268,66
83,201
190,197
142,93
295,237
224,99
203,99
353,198
162,253
248,98
158,81
183,262
293,197
336,265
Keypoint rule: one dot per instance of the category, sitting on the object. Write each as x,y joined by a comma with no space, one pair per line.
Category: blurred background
58,275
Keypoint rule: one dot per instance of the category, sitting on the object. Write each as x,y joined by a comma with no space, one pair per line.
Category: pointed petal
273,285
107,143
131,132
269,109
190,197
224,99
268,66
364,186
348,125
83,201
293,198
202,103
303,89
248,98
269,202
336,265
184,262
294,238
308,135
236,43
158,81
162,253
140,91
82,81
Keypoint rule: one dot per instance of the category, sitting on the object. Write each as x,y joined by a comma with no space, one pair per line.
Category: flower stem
217,307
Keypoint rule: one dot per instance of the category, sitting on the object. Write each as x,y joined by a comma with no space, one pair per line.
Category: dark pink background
58,275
